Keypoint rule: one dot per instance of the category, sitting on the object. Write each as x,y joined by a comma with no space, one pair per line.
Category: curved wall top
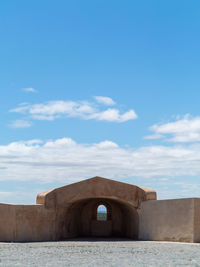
96,187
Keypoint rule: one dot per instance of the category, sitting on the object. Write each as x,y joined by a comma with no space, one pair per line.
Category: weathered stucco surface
96,187
26,223
168,220
70,211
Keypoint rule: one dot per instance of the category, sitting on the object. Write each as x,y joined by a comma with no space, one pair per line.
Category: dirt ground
100,253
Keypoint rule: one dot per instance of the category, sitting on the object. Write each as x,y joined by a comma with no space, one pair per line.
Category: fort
130,211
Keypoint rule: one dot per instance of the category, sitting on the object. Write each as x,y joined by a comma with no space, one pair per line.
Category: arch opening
105,218
102,213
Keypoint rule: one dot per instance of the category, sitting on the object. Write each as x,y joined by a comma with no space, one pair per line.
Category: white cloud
105,100
20,124
56,109
30,90
107,144
71,109
181,130
114,115
31,142
64,160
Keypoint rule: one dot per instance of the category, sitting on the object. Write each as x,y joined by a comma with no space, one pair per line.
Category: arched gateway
76,207
100,207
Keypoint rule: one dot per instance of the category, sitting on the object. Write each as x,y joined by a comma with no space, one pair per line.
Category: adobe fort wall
26,223
170,220
71,211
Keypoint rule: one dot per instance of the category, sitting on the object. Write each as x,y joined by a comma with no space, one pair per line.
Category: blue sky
106,88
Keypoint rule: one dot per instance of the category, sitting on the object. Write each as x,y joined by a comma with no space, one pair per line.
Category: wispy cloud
20,124
182,130
30,90
105,100
113,115
70,109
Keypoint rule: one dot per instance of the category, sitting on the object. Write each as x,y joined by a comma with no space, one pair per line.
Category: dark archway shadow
79,223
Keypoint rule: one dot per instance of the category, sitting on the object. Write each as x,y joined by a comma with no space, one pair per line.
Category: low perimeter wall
161,220
26,223
170,220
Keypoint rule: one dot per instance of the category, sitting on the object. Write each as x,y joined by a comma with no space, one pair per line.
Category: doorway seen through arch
102,213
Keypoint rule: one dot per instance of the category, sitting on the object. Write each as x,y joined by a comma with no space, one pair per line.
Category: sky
99,88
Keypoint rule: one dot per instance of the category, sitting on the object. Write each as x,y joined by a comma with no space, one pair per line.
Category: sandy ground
100,253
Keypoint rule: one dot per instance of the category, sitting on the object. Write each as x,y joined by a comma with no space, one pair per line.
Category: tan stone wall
7,222
26,223
164,220
167,220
